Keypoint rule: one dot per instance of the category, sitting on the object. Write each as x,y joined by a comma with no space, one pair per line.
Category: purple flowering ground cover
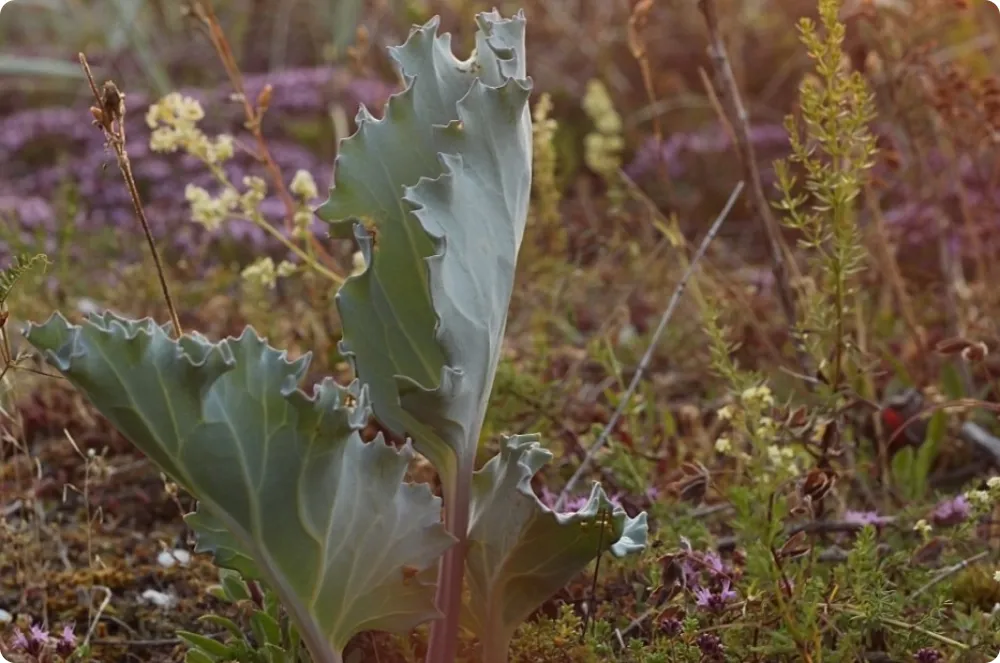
47,149
842,509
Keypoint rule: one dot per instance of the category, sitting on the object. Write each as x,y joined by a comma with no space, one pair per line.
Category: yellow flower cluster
603,147
782,458
208,211
757,397
264,274
544,161
174,121
983,500
304,187
212,212
751,417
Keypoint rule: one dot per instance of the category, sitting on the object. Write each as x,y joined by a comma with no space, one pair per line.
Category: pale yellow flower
980,498
725,413
261,273
304,186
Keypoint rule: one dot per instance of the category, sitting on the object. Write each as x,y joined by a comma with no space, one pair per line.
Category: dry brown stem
729,96
109,115
637,47
254,112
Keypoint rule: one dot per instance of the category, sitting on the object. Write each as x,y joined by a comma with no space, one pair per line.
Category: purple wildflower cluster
863,518
676,154
910,216
928,655
951,511
572,504
671,627
711,647
45,149
708,578
37,641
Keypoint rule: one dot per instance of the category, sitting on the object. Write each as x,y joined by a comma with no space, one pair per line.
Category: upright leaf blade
441,185
287,487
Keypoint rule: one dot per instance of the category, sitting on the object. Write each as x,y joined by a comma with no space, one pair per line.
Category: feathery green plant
834,147
832,144
19,267
436,194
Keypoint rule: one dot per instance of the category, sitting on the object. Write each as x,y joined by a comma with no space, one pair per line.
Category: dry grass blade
648,356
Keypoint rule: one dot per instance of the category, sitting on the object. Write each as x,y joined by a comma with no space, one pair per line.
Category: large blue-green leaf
287,487
437,195
521,552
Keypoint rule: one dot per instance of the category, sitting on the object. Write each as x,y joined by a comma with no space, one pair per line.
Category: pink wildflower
705,598
865,518
951,512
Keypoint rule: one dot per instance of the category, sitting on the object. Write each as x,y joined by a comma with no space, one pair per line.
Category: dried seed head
112,102
952,346
796,546
891,159
817,484
975,353
264,98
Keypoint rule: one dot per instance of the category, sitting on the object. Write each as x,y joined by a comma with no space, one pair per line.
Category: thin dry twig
729,96
888,621
648,356
949,571
109,115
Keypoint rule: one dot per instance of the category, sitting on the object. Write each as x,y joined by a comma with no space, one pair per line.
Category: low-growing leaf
218,592
233,585
198,656
214,537
265,628
225,623
521,552
325,517
206,644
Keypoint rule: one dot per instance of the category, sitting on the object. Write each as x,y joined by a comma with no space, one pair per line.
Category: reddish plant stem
443,645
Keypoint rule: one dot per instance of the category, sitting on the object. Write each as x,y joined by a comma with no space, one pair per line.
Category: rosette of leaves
436,194
271,637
